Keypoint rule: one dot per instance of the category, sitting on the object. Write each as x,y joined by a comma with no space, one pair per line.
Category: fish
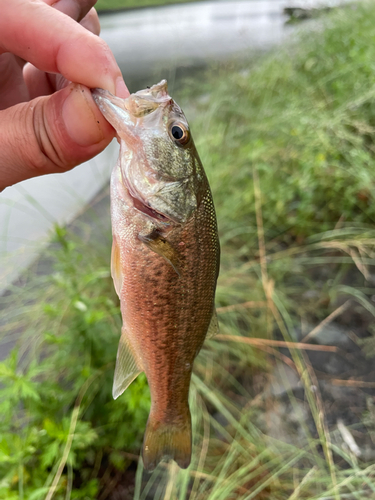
164,263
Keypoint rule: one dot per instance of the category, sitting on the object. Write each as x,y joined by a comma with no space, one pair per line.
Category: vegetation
304,119
104,5
64,363
289,150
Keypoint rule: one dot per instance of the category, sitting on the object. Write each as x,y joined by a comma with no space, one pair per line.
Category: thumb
51,134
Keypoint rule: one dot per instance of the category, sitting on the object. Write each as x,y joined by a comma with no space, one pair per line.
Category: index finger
55,43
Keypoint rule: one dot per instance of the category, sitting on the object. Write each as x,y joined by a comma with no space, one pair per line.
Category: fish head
159,163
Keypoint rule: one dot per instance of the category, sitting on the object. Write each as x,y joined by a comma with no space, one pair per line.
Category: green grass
288,146
128,4
304,120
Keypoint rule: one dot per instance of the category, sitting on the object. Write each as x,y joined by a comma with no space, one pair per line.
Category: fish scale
165,261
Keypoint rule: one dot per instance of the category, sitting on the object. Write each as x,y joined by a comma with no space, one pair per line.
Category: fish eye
179,133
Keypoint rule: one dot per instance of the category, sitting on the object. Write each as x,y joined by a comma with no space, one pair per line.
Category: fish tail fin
167,440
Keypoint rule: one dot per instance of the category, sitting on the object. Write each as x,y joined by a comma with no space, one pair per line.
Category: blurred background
280,97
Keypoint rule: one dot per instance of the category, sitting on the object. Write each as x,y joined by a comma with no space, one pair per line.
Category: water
163,40
149,44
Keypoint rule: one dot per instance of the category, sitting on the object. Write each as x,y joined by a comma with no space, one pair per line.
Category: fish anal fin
127,367
167,441
116,266
213,328
160,245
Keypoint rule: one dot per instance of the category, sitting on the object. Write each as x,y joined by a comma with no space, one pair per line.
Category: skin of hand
47,123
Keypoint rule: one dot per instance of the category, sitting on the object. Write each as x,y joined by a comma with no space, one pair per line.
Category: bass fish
165,260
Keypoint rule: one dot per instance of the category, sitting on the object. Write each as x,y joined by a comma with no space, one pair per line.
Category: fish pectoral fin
160,245
127,367
213,328
116,267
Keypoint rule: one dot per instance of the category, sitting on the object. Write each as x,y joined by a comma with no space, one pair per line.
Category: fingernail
79,115
121,88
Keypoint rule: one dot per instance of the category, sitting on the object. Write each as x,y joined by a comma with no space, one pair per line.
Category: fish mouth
113,108
120,111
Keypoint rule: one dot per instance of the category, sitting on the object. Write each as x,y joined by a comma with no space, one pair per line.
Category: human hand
48,125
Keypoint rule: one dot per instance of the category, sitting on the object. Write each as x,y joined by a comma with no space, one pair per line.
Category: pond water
161,42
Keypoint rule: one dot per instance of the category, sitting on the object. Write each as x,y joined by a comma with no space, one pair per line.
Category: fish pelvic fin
167,441
127,366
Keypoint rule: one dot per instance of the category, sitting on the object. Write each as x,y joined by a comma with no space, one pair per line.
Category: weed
128,4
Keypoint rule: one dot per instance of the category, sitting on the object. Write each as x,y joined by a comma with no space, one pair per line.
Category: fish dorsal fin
160,245
116,266
127,368
213,328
